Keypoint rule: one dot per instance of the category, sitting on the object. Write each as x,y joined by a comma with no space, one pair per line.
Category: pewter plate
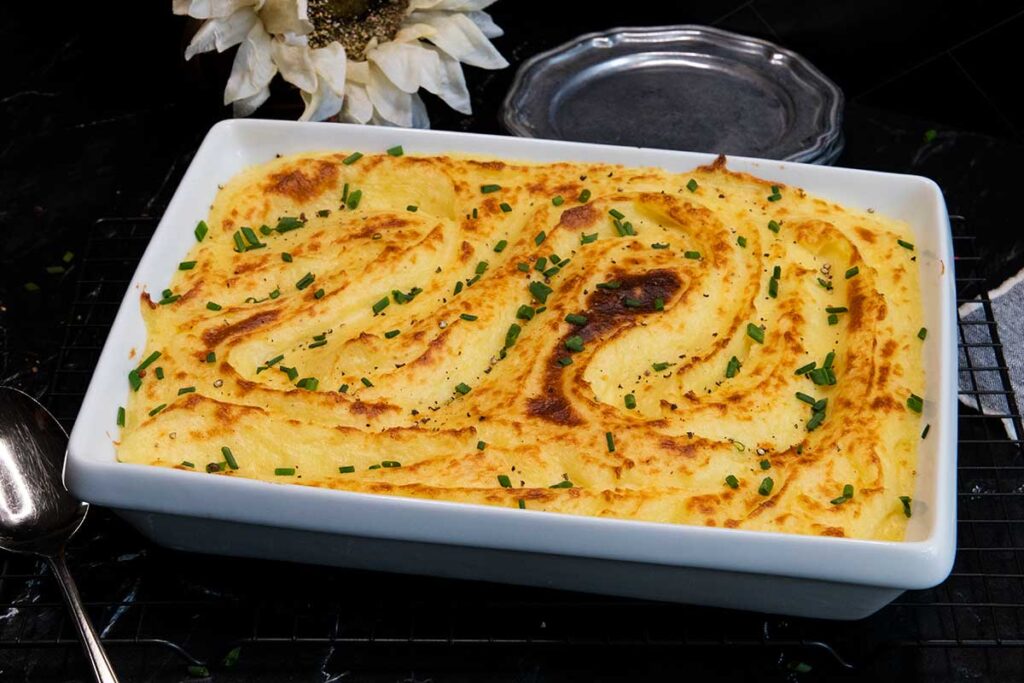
690,88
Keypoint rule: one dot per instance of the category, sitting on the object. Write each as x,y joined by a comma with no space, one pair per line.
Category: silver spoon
37,513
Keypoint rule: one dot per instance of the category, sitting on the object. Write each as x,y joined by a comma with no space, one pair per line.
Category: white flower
398,47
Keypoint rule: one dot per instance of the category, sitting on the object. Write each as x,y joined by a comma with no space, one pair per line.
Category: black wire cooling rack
168,615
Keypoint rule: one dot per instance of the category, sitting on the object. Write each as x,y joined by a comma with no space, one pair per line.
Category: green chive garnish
319,294
564,361
906,505
610,440
525,312
229,457
353,199
732,482
512,335
539,238
836,309
660,245
616,214
661,367
693,255
557,200
487,189
540,291
805,398
381,305
120,416
366,382
833,319
186,390
134,380
773,288
905,245
306,281
287,223
284,471
755,333
765,464
630,302
612,284
522,504
481,445
186,463
308,383
773,226
584,196
396,151
847,495
922,333
504,481
200,231
630,401
391,334
576,319
352,158
213,306
830,358
732,368
815,421
915,403
504,206
187,265
157,409
804,369
924,432
347,469
587,239
149,360
692,185
574,343
159,372
766,486
463,388
852,272
825,283
500,246
742,241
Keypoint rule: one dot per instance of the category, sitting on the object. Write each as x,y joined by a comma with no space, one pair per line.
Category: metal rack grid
197,610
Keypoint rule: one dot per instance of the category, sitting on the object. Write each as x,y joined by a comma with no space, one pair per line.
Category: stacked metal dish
690,88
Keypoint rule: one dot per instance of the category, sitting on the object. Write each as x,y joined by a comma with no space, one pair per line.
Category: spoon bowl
37,512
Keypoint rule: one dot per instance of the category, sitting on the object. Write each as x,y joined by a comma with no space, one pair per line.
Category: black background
99,113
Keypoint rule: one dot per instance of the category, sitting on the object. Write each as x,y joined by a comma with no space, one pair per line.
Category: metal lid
690,88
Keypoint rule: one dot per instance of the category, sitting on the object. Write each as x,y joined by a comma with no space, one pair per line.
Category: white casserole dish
802,575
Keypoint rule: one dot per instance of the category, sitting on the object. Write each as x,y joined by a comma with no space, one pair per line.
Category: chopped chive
318,343
732,368
693,255
659,304
381,305
525,312
366,383
306,281
284,471
564,361
134,380
540,291
805,398
773,226
847,495
481,267
463,388
319,294
308,383
524,267
612,284
512,335
584,196
915,403
551,272
820,405
322,213
149,360
610,440
922,333
766,486
56,270
773,288
229,457
353,199
692,185
742,241
541,263
522,504
662,366
213,306
630,401
815,421
852,272
187,265
200,232
344,195
291,372
159,372
804,369
777,272
755,333
819,376
765,464
504,481
924,432
186,390
830,358
906,505
539,238
587,239
157,409
836,309
775,196
576,319
186,463
251,237
833,319
265,229
352,158
630,302
825,283
732,482
166,293
343,389
616,214
458,287
660,245
830,376
481,445
564,484
505,207
275,360
396,151
288,223
120,416
905,245
500,246
574,343
487,189
373,467
412,208
557,200
475,214
346,469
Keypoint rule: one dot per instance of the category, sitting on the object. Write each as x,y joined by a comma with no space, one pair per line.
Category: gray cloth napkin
976,328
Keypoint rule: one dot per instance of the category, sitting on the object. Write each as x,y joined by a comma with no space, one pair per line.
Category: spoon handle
101,667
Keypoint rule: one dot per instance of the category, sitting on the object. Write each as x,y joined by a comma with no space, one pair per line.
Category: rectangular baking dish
824,577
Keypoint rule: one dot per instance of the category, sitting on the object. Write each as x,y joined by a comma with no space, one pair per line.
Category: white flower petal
420,119
405,64
388,100
448,82
357,107
220,34
253,68
206,9
358,72
295,64
321,104
451,5
460,38
286,16
330,63
486,25
248,105
410,32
